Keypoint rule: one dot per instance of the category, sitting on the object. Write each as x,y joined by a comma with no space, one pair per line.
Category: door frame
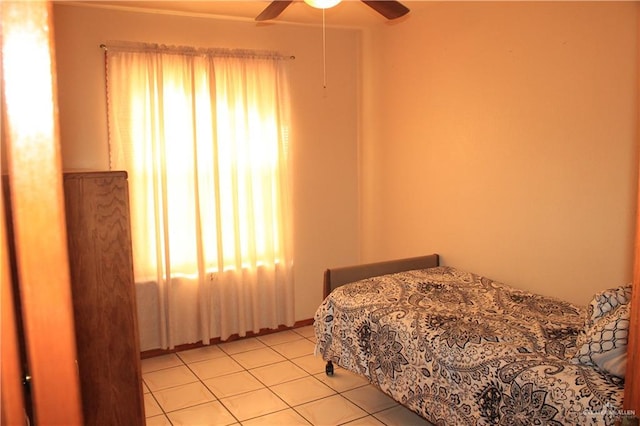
31,145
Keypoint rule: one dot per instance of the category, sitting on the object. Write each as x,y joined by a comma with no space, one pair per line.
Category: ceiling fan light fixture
322,4
390,9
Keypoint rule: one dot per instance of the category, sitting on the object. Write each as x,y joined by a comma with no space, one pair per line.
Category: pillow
603,342
607,300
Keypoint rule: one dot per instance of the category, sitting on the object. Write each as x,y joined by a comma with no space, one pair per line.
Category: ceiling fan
390,9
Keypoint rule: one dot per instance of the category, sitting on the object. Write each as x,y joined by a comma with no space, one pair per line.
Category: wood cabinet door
104,298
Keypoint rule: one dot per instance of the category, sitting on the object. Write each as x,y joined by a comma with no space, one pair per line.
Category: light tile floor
268,380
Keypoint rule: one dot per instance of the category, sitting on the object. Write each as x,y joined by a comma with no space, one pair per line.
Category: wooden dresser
104,304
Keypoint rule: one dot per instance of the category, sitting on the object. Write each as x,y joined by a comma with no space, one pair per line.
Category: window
203,135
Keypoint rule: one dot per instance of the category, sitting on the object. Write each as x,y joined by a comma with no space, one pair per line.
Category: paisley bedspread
461,349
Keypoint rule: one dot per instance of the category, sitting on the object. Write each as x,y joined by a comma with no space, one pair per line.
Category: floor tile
161,420
279,372
302,390
168,377
400,415
372,421
310,363
183,396
211,413
242,345
201,354
342,380
258,357
160,362
253,404
280,337
215,367
295,349
370,398
233,384
151,407
306,331
286,417
273,379
333,410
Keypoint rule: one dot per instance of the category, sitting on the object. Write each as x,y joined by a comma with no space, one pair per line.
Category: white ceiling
351,13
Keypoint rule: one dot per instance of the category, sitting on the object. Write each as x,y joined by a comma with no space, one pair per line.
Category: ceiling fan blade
274,9
390,9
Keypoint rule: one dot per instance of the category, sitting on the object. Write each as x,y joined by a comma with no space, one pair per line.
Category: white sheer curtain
203,134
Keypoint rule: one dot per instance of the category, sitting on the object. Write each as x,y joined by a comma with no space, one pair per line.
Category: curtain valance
126,46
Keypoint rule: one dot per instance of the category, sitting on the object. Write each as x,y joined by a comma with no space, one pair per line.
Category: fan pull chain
324,53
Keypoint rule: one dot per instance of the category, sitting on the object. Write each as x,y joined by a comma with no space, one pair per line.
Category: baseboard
157,352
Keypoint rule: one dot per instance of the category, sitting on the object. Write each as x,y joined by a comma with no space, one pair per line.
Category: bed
461,349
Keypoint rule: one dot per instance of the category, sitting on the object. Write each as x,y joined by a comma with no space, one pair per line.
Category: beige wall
504,137
324,129
501,135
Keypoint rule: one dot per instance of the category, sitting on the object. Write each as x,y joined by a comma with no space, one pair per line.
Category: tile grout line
216,398
336,392
268,387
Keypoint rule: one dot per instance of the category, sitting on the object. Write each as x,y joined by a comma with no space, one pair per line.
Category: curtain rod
194,50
